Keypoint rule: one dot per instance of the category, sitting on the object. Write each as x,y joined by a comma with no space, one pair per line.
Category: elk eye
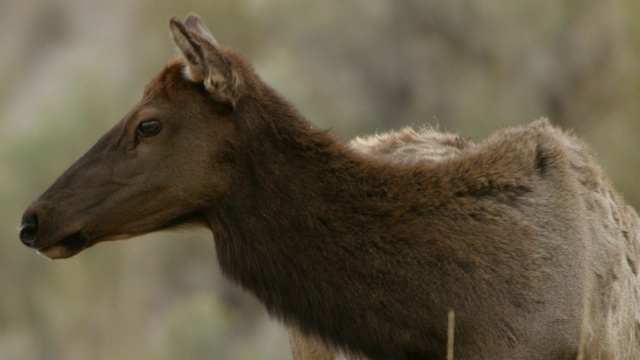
149,128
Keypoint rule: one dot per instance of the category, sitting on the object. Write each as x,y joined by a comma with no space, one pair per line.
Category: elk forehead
170,82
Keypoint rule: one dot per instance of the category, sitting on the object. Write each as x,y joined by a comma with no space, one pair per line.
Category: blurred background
70,69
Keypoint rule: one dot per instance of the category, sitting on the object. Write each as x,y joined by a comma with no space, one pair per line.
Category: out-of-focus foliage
70,68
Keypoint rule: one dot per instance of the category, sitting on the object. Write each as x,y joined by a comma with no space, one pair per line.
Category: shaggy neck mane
310,219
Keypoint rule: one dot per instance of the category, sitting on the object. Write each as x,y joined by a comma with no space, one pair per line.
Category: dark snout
40,230
28,231
63,220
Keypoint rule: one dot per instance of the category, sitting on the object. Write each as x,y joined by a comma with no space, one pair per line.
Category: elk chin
67,247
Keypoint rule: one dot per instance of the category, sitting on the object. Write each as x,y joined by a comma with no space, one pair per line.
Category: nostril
28,230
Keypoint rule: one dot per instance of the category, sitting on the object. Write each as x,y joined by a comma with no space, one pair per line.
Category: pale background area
69,69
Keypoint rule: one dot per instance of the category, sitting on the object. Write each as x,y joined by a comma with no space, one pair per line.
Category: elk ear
204,59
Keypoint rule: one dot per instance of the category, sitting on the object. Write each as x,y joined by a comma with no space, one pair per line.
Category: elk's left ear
205,60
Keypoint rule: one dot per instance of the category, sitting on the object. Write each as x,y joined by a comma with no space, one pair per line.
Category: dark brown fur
366,253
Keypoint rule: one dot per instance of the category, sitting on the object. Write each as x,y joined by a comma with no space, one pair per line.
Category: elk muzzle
34,234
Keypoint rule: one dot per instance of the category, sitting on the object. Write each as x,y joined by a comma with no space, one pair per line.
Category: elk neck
308,216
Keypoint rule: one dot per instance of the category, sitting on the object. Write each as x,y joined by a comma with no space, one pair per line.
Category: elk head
161,165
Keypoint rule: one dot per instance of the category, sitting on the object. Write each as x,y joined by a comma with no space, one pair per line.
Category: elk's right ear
204,60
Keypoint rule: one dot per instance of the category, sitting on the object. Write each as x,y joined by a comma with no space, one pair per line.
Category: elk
363,248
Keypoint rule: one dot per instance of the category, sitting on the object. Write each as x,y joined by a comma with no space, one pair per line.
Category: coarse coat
363,247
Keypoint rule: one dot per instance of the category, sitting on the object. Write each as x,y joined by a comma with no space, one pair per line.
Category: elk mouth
67,247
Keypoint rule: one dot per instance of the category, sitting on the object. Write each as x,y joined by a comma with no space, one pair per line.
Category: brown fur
407,145
307,347
522,234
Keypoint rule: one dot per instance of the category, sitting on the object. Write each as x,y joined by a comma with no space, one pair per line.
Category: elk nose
28,230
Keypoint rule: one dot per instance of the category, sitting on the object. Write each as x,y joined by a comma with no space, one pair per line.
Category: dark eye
149,128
